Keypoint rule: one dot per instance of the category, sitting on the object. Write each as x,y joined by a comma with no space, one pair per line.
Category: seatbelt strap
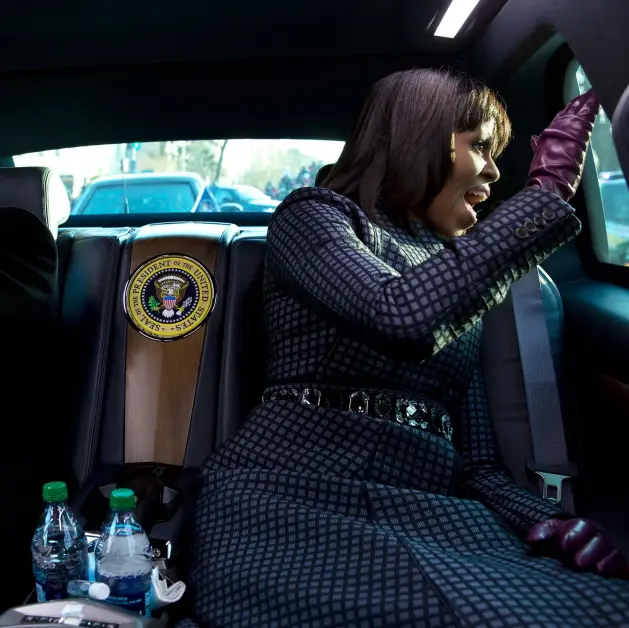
550,454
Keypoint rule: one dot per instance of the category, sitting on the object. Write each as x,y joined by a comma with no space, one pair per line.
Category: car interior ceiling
98,74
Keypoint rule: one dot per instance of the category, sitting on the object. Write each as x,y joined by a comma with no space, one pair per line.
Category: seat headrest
37,190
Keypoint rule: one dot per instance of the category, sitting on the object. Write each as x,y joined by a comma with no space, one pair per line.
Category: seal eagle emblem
168,297
169,291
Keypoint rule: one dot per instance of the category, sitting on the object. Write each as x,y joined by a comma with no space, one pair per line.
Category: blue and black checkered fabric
312,516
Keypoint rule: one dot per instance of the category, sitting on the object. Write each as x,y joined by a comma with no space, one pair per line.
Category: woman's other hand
560,150
582,543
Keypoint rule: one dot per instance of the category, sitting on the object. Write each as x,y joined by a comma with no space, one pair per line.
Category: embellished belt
414,410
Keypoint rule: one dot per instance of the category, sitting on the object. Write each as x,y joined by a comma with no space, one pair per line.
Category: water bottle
59,546
83,588
124,556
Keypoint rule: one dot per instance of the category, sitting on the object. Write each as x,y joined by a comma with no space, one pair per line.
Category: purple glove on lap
581,543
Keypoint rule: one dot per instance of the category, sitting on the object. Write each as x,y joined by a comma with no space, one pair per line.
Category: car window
249,193
138,198
223,196
159,176
610,193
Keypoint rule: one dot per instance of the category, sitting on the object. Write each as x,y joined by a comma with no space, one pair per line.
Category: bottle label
131,594
50,587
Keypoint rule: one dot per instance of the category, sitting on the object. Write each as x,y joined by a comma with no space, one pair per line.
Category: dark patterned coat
313,516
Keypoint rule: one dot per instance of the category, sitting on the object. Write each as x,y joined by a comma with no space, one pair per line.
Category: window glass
182,176
612,186
139,198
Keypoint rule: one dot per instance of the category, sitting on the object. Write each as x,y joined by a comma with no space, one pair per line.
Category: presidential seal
169,297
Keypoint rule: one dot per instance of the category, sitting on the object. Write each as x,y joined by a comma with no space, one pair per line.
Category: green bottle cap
122,499
55,492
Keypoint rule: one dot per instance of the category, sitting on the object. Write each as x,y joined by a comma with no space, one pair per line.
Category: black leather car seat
243,367
89,266
33,202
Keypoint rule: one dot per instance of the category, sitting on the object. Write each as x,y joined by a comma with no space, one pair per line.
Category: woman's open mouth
475,196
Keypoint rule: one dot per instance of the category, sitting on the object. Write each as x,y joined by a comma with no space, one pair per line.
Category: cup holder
165,495
156,488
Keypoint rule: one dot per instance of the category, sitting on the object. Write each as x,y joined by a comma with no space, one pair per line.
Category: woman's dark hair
400,151
323,172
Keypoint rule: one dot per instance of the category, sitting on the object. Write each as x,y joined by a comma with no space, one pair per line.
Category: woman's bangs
480,105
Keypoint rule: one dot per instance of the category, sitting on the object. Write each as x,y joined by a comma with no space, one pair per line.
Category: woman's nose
490,171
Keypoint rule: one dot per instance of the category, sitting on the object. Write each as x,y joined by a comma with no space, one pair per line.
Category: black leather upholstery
89,264
201,439
110,447
243,369
37,190
205,412
34,430
99,459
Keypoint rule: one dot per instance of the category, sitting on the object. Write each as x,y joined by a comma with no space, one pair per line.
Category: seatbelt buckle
551,485
552,480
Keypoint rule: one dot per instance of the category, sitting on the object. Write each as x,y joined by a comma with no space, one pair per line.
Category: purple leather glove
582,543
560,150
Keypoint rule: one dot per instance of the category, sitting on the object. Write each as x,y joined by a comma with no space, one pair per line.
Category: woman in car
367,489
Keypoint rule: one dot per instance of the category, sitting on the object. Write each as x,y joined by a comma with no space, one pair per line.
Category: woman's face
452,211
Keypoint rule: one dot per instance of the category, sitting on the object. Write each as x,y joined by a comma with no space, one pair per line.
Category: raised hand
560,150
